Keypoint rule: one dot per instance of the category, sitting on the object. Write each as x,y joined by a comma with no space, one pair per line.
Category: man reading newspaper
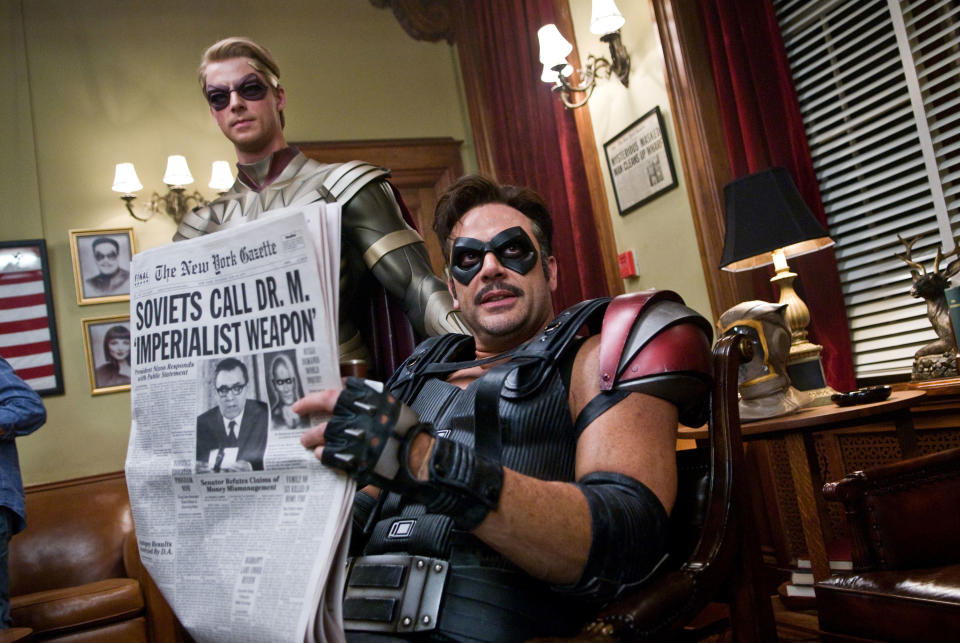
509,472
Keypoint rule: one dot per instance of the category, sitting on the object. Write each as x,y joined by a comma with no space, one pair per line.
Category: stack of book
797,593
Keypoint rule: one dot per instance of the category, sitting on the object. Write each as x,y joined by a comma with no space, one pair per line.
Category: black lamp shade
765,212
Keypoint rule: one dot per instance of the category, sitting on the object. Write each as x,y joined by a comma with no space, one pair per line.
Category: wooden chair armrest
903,514
912,472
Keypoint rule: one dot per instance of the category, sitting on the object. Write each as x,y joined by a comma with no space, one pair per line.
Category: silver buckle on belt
393,593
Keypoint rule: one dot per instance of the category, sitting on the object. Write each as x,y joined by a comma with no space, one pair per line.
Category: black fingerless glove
369,437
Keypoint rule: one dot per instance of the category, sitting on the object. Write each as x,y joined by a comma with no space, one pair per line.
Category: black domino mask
513,248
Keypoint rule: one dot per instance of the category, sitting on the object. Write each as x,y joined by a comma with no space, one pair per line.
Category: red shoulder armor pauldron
652,343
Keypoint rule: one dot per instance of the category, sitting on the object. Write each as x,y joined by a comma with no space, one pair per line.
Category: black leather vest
537,439
487,597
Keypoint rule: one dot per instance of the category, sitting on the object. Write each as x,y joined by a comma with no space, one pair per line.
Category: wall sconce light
605,21
175,202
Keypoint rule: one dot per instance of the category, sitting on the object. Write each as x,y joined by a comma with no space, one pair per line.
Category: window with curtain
879,86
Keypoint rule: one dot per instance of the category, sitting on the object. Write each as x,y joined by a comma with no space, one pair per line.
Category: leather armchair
75,571
904,522
714,555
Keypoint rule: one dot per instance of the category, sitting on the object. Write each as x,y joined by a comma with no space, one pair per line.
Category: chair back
709,489
693,500
74,535
903,515
712,557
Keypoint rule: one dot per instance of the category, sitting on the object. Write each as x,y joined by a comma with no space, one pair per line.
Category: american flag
27,329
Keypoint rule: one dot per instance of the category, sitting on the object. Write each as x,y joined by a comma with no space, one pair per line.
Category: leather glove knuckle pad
367,434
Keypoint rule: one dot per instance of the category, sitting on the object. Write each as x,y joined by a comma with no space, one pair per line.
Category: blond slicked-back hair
258,56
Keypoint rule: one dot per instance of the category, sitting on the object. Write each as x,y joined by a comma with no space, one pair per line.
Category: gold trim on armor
757,325
438,318
387,244
353,348
348,178
332,179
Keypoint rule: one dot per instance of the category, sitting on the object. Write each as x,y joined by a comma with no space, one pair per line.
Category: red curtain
763,128
534,138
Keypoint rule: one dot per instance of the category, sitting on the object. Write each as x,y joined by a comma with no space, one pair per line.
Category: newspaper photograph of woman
284,388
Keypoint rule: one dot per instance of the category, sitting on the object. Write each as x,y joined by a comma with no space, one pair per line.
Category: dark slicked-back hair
474,190
230,364
112,242
240,47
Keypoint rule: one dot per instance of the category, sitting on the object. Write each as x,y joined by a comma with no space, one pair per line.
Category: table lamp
768,221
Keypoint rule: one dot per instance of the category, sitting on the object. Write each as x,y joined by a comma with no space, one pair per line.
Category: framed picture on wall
28,328
106,341
640,163
101,264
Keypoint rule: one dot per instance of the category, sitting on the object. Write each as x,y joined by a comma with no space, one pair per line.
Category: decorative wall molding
429,20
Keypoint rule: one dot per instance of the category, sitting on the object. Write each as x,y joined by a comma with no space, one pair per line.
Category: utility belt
390,589
394,593
402,594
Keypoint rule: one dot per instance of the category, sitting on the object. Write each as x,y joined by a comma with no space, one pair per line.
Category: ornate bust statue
765,389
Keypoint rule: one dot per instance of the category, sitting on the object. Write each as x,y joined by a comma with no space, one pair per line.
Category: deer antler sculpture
930,286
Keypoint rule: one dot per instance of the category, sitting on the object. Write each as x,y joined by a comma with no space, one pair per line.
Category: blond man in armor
241,82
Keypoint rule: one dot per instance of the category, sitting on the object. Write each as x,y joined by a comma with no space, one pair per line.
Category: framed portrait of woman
107,344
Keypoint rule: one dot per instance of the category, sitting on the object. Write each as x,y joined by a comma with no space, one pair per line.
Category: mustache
496,285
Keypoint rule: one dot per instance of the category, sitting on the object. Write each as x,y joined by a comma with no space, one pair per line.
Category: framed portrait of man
107,345
101,264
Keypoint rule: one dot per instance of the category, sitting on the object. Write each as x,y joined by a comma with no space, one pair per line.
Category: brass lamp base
806,374
803,364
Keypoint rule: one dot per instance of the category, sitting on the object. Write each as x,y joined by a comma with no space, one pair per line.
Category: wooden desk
797,432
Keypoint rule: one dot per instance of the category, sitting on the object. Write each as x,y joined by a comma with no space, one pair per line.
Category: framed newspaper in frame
640,163
28,328
101,264
106,342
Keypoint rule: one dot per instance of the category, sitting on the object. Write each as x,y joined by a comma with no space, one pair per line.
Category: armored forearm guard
466,485
397,257
628,525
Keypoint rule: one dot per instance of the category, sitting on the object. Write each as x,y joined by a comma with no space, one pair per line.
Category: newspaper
241,534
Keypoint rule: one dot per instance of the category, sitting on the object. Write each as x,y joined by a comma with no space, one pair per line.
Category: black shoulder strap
534,361
596,407
549,347
407,380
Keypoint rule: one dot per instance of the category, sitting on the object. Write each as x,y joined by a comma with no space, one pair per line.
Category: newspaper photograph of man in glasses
232,436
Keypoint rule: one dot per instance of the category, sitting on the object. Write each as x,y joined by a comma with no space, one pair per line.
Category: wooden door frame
701,142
